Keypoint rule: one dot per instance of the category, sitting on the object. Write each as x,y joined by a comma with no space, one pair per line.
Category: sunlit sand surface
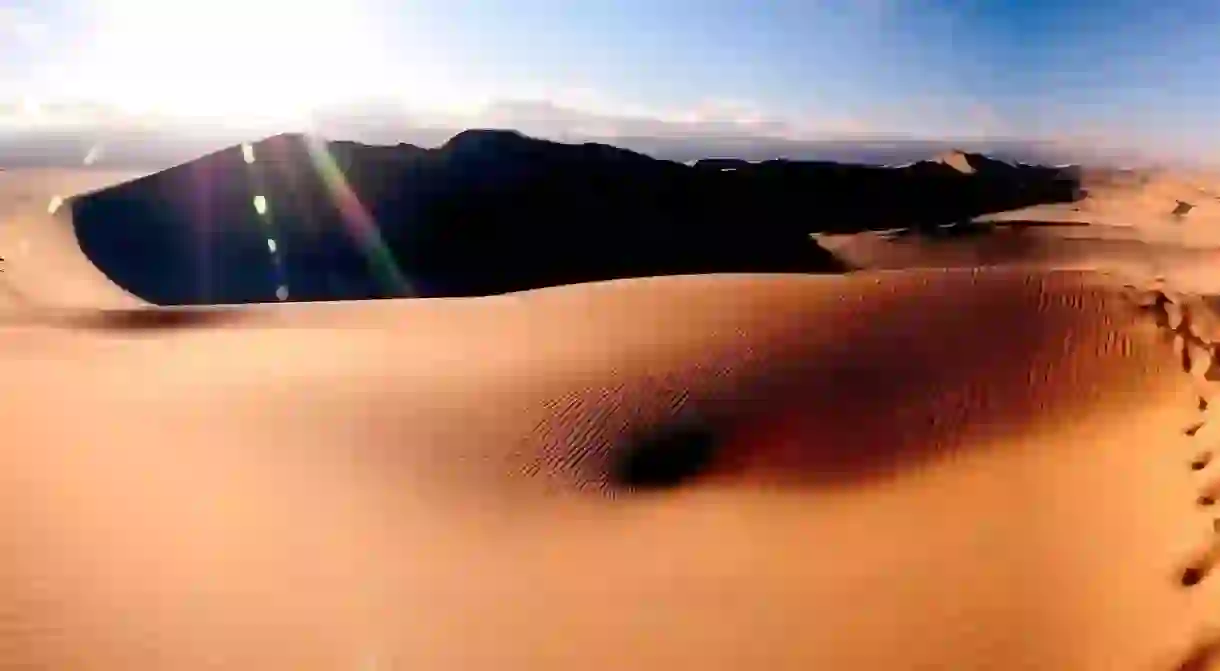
43,264
974,468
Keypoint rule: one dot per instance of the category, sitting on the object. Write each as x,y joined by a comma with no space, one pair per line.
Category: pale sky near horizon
1144,72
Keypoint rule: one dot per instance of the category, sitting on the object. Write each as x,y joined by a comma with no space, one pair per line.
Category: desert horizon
164,144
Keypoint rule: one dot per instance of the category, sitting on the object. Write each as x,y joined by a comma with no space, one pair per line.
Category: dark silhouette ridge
494,211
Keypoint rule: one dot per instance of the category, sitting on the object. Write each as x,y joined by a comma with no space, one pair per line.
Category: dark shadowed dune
494,212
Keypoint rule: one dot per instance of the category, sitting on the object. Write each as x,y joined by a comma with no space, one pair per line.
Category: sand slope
1127,223
872,502
967,469
44,266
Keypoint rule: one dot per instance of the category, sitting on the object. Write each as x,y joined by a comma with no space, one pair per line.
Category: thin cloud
569,113
20,26
539,117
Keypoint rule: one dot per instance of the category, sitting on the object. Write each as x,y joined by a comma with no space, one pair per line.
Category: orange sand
917,469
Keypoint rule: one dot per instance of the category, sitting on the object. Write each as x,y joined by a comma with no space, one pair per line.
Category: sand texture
991,460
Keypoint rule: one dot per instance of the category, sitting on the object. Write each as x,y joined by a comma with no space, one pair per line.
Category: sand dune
1126,223
973,468
493,212
1144,200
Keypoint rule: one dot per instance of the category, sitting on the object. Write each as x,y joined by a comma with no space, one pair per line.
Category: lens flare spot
271,246
260,204
56,203
95,153
281,292
247,152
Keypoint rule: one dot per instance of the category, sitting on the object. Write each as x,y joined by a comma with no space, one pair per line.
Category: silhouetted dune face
296,218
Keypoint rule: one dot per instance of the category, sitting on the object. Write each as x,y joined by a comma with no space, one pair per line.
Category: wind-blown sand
1002,468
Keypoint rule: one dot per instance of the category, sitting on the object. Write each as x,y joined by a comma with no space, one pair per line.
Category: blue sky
1140,72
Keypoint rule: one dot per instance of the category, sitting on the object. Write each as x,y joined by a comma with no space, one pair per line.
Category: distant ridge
958,160
494,211
972,163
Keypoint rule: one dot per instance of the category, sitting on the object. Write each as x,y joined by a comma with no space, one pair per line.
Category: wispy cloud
714,117
18,25
569,113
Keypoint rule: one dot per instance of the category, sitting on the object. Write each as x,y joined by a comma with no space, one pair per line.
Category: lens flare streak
360,224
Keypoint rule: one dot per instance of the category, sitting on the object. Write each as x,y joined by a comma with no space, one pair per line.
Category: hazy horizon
1086,77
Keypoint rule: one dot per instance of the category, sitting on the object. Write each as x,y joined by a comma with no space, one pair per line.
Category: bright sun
243,59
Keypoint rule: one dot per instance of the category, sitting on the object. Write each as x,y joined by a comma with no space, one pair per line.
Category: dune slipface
924,469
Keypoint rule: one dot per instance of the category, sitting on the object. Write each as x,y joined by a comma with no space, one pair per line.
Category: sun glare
244,59
30,106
